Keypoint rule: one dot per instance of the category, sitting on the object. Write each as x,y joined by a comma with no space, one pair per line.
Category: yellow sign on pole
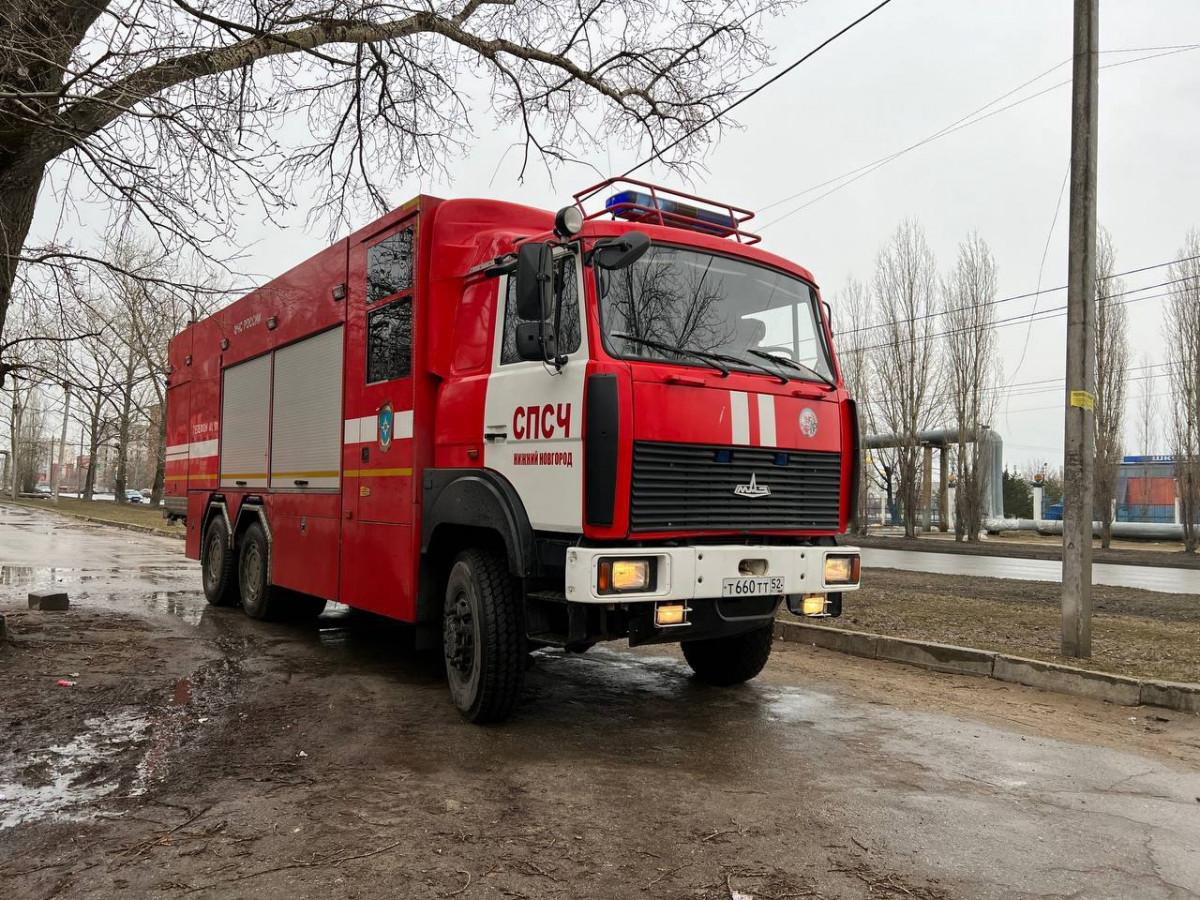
1082,399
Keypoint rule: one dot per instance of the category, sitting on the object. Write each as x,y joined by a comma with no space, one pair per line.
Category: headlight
618,576
842,569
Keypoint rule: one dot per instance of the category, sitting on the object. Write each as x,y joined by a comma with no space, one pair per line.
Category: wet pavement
1150,578
203,753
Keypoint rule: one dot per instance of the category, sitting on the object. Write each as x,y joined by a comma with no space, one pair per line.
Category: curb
127,526
1115,689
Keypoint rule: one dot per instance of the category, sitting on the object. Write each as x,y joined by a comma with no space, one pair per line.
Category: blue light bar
634,205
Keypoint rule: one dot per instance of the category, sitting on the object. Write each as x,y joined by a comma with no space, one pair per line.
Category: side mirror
535,281
620,253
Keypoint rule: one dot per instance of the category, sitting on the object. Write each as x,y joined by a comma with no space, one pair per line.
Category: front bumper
698,572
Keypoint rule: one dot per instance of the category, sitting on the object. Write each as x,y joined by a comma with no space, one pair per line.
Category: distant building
1146,489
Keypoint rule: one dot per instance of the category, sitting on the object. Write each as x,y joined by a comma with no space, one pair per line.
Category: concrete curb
1115,689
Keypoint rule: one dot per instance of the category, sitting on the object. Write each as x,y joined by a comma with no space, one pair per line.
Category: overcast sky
908,72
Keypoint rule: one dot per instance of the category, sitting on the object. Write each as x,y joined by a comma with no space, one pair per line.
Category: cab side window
389,323
566,284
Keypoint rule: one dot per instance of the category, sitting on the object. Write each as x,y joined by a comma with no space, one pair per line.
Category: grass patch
108,510
968,612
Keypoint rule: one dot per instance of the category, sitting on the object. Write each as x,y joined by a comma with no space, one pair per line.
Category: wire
736,103
942,312
947,130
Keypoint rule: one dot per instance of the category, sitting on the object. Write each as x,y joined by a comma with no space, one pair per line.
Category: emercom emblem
753,489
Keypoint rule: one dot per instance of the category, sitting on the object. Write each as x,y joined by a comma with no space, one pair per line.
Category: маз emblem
753,489
808,422
387,421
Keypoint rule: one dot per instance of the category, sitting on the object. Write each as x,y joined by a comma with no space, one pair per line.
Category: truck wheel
218,566
482,637
259,599
730,660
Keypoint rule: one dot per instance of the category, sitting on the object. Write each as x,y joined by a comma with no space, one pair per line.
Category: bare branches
1112,362
179,115
908,368
973,373
1181,335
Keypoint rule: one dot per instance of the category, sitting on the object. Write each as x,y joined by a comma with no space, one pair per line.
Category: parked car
134,497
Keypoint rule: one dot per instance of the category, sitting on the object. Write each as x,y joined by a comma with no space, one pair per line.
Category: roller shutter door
245,414
306,416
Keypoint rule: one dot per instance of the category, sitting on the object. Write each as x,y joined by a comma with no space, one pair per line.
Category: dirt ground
1140,633
224,763
200,753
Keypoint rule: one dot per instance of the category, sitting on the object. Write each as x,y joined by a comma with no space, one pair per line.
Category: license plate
752,587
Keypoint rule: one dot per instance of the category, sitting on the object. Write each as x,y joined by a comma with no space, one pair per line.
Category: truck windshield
674,304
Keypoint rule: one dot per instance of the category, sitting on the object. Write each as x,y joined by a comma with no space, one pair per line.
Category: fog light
842,569
813,605
670,614
623,575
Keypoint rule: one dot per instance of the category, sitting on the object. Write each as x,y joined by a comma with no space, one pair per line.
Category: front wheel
730,660
482,637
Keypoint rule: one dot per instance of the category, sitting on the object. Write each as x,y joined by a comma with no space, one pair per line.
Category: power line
863,171
736,103
1026,296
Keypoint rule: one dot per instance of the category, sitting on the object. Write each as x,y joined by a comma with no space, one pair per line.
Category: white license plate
752,587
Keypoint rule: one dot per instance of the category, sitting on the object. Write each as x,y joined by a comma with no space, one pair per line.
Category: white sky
914,68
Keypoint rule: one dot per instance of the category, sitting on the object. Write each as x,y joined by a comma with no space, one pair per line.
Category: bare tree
1181,335
1148,423
174,113
1112,362
973,374
907,374
855,312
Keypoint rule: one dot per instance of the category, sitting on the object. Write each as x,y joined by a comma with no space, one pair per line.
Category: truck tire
483,640
218,566
259,599
730,660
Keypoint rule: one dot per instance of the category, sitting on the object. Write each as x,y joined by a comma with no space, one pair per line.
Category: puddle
24,576
188,606
73,775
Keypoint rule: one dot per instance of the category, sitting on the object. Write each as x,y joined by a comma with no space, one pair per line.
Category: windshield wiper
791,363
783,379
712,359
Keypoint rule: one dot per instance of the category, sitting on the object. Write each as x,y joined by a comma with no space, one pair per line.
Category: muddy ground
202,754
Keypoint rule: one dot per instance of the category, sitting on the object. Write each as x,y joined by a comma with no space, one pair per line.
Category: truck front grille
692,487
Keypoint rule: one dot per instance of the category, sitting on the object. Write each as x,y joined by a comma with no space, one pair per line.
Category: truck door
378,447
533,418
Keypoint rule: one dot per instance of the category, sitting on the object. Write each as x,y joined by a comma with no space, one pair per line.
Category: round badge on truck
387,421
808,422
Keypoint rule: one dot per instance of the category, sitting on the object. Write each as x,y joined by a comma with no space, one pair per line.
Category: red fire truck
518,428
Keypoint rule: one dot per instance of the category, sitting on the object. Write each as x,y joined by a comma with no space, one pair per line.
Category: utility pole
62,440
1079,444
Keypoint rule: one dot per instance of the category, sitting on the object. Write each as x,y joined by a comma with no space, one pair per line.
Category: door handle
300,482
495,435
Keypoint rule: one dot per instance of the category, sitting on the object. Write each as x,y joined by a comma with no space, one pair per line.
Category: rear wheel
218,569
730,660
482,637
259,598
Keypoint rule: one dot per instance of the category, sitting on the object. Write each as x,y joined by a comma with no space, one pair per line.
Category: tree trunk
160,458
18,196
89,484
123,431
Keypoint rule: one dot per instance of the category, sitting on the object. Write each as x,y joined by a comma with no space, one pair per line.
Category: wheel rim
214,559
461,648
251,574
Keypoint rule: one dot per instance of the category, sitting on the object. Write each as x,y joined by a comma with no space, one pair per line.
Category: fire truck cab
515,428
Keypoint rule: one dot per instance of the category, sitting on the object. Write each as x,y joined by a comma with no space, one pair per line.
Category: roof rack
641,201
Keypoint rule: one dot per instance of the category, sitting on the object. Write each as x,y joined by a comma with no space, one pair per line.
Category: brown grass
108,511
966,612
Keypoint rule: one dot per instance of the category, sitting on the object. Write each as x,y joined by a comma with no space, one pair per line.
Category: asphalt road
200,753
1150,578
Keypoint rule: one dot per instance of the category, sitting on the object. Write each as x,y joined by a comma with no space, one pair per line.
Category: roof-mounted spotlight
568,222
